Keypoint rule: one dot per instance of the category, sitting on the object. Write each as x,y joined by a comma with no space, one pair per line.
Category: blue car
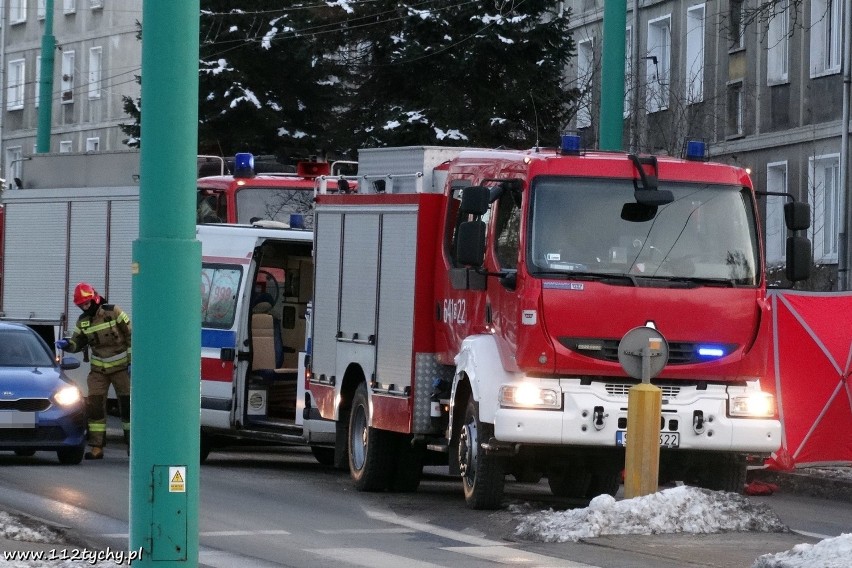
40,407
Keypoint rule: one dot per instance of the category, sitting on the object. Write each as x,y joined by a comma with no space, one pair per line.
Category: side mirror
69,363
470,243
476,200
797,215
798,258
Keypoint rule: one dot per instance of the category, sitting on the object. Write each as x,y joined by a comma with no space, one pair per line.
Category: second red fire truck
480,323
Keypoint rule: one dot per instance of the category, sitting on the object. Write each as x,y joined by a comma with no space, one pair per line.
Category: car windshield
23,348
594,227
276,204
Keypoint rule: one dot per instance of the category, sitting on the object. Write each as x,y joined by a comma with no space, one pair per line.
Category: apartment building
760,81
97,59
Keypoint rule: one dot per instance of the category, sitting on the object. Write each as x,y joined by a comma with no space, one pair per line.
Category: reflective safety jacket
107,333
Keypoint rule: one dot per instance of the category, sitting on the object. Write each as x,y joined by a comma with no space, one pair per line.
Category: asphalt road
278,507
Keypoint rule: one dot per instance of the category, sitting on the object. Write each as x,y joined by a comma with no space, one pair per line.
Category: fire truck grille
680,352
25,404
621,390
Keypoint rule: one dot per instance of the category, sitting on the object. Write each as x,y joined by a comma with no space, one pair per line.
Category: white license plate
15,419
667,439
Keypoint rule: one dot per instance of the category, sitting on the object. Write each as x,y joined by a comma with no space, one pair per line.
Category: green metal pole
612,74
45,82
165,392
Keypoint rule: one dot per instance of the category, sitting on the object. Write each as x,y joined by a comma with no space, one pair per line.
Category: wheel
370,450
409,465
71,456
569,482
604,482
205,446
276,287
323,454
24,452
483,476
724,472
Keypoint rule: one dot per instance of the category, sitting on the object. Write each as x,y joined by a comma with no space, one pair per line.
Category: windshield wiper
615,279
695,282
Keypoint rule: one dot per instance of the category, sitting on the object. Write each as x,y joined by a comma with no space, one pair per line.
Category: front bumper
53,430
592,414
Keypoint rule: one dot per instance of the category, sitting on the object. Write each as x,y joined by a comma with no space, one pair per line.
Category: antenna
535,112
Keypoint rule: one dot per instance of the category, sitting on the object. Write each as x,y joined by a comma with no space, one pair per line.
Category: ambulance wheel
483,475
324,455
604,482
724,472
370,450
409,465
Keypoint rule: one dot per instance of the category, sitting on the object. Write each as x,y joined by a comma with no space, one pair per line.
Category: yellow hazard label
177,479
134,268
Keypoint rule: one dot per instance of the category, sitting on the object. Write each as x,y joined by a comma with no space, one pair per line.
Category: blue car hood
29,382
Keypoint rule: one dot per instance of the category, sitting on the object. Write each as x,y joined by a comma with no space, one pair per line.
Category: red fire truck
246,195
480,324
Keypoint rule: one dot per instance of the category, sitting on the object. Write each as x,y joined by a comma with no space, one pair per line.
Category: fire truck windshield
594,227
275,204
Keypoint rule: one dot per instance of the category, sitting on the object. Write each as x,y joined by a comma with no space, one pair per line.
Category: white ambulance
256,286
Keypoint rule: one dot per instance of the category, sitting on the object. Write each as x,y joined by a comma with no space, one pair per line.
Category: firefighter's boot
96,453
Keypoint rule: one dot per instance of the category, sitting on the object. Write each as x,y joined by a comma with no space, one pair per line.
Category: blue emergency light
710,351
696,150
570,144
244,165
297,221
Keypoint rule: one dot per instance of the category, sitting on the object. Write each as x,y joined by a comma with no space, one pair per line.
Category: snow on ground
680,510
677,510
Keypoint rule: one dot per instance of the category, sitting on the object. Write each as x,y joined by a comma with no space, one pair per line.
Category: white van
256,286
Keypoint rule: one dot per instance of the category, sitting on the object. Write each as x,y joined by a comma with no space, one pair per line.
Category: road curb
805,484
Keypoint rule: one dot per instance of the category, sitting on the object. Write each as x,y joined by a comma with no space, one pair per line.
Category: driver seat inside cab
282,288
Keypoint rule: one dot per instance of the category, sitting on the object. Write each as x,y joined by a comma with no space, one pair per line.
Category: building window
64,146
585,70
17,11
14,157
15,89
735,109
658,63
69,6
825,37
93,144
777,44
95,56
776,229
695,54
42,9
824,189
67,84
737,19
38,81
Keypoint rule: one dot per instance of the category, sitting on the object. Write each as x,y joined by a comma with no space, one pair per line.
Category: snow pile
14,528
681,509
829,553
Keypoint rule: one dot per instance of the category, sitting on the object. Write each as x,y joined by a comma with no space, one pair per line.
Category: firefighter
105,329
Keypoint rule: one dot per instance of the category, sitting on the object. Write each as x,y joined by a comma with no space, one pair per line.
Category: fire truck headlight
528,395
754,404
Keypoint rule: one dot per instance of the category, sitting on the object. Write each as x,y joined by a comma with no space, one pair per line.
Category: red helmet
84,292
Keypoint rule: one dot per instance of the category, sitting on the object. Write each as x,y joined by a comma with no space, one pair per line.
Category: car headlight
67,396
754,404
528,395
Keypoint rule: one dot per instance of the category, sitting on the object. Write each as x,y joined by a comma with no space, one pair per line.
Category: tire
324,455
725,472
24,452
483,475
604,482
569,482
71,456
371,451
205,446
409,465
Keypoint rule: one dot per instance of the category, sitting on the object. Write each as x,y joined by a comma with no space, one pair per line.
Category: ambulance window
210,208
219,287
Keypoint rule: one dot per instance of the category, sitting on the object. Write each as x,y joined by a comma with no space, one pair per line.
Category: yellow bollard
642,449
